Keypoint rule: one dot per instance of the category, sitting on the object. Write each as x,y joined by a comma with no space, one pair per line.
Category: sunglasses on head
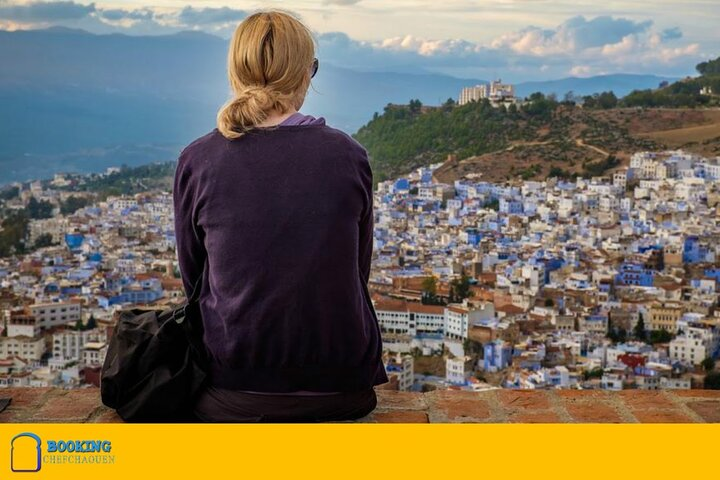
314,67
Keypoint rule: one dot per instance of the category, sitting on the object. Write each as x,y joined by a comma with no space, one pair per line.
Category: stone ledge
54,405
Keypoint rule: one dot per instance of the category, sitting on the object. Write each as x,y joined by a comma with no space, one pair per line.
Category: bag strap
193,333
178,313
195,295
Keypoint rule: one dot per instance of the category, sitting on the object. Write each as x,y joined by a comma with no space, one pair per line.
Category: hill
598,142
542,137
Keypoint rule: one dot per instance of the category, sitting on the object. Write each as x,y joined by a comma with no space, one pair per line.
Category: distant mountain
72,100
620,84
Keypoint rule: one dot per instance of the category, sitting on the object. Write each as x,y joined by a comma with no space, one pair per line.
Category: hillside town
588,283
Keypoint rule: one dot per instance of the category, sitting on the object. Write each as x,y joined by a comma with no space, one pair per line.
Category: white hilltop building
497,92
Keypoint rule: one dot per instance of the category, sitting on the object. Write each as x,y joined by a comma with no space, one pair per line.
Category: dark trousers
228,406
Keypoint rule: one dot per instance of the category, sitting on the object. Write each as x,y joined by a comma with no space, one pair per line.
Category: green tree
13,232
429,291
660,336
91,323
590,101
8,193
44,240
415,106
569,98
429,285
449,104
460,287
596,372
639,330
708,364
73,204
708,68
607,100
712,381
493,204
39,209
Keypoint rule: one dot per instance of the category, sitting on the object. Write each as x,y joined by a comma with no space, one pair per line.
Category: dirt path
580,143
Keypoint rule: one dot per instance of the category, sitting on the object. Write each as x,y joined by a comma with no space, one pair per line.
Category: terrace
492,406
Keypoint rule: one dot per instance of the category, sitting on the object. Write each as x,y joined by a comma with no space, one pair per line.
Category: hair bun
269,62
262,96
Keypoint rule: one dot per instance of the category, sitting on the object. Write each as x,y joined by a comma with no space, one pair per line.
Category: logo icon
25,453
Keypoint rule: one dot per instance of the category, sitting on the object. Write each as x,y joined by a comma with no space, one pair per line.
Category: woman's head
269,67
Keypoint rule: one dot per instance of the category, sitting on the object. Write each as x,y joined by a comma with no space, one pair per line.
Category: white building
68,345
401,366
457,369
27,348
497,92
94,353
54,314
693,346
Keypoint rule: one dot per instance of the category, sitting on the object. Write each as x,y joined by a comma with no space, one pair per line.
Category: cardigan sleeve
366,221
189,246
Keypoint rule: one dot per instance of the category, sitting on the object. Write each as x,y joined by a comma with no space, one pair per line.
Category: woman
274,209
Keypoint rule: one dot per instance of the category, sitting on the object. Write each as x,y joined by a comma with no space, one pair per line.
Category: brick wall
493,406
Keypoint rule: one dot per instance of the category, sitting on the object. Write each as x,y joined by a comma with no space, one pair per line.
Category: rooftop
440,406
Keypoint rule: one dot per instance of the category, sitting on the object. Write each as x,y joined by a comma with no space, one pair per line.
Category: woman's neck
275,118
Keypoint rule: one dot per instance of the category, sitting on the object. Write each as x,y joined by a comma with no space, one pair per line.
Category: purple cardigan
284,216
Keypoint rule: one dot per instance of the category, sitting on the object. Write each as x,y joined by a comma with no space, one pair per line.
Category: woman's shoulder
345,140
330,137
201,143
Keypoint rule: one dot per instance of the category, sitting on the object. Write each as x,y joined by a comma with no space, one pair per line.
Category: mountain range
76,101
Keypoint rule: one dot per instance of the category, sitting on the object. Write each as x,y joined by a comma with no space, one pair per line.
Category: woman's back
284,217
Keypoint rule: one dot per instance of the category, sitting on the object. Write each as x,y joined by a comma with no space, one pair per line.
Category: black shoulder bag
156,363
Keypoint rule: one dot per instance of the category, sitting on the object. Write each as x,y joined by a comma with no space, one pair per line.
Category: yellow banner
258,451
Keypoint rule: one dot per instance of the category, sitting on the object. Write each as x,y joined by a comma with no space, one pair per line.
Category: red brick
644,399
535,417
582,394
709,411
73,406
523,399
459,404
107,416
9,416
24,397
389,399
400,416
662,416
593,412
698,393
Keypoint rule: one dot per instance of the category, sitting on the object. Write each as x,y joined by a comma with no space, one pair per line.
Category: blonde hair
269,63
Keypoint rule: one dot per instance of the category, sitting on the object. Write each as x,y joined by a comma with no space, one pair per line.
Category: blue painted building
74,241
693,252
401,185
497,355
634,274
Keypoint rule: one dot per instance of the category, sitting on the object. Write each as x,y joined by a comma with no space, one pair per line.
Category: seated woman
274,211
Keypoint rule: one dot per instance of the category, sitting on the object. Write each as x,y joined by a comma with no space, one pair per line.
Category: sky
517,40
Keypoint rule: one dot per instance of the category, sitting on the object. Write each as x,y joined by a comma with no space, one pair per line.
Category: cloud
209,16
671,34
578,46
120,14
581,71
44,11
99,20
341,2
575,34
